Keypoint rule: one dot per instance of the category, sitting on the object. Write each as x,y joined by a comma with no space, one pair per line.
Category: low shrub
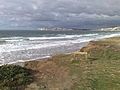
14,76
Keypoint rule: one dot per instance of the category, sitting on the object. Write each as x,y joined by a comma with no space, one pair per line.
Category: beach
98,69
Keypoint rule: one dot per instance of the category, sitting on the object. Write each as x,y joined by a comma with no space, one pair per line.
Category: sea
25,45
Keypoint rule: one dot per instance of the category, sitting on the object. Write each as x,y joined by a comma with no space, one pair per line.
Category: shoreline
21,63
85,44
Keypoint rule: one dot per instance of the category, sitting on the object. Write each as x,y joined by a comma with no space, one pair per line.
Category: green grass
105,70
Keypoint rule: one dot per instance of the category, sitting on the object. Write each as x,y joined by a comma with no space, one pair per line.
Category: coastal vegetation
99,71
14,77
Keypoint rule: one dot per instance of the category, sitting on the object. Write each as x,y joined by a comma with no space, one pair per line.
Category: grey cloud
74,13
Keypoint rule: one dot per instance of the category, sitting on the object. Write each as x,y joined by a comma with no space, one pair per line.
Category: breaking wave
20,49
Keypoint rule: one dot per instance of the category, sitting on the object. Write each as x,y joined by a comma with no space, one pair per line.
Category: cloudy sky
59,13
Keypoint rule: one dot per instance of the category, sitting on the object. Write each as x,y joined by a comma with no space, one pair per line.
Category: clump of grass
12,76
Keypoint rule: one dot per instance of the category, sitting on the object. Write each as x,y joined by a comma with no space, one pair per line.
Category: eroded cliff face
90,46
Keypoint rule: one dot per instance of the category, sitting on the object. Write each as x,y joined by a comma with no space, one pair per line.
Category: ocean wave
61,37
12,39
20,39
8,47
2,41
26,45
108,36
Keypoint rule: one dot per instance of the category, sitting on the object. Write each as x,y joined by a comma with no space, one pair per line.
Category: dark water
37,33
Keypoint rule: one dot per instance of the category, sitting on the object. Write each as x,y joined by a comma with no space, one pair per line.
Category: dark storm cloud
66,13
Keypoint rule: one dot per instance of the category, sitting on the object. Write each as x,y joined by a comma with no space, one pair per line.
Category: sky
59,13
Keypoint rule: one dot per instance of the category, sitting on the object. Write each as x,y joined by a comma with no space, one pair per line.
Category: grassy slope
99,71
